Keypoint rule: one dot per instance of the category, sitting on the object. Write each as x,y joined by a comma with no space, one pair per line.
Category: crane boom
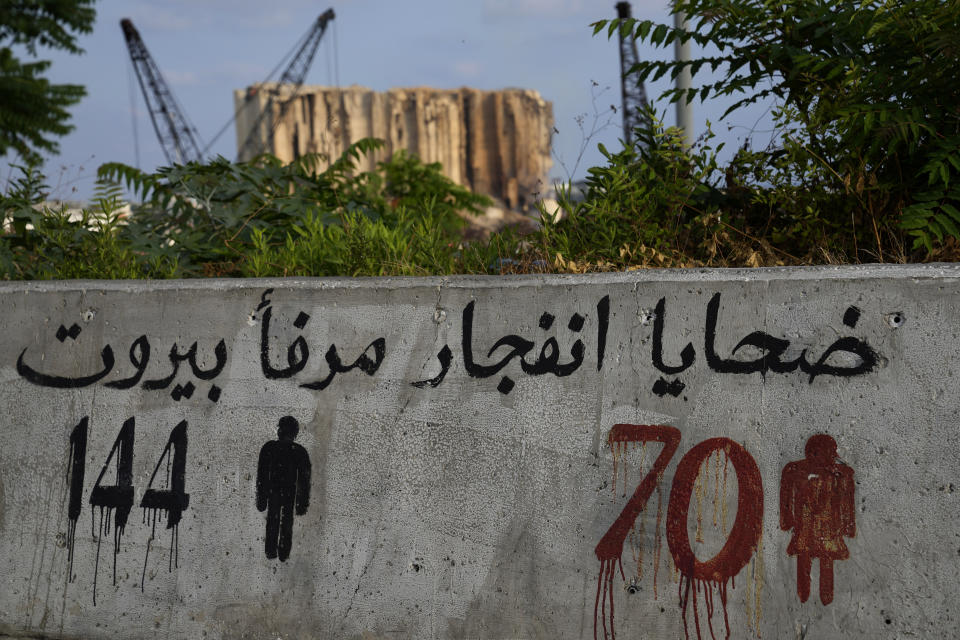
174,132
634,94
294,74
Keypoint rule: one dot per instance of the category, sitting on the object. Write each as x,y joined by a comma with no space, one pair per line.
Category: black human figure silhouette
283,486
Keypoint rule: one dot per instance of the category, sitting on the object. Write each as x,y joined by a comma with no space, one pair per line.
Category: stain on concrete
510,604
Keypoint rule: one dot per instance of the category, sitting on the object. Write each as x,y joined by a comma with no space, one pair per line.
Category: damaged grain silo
494,142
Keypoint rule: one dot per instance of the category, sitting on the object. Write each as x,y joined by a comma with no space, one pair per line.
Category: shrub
258,218
868,117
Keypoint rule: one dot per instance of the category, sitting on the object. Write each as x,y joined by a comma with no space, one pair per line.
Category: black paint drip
118,497
76,469
171,501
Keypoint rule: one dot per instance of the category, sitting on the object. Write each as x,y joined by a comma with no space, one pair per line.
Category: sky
207,48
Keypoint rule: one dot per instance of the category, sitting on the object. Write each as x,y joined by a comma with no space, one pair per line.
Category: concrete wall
494,142
497,497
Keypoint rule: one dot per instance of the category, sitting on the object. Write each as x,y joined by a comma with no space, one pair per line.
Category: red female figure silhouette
816,501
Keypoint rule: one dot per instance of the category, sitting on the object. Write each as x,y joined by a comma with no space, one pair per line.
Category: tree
33,111
868,107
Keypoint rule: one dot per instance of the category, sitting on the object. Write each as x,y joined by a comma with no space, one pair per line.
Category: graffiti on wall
773,350
282,490
115,501
816,493
283,487
816,502
860,357
298,352
140,359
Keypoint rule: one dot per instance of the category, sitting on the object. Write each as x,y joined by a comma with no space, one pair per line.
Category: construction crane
294,75
634,95
175,133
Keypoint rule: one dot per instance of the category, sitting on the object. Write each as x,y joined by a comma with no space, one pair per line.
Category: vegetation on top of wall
261,218
865,167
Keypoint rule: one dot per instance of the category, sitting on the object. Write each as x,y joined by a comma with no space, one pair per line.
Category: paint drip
171,501
173,561
690,590
716,488
76,468
723,502
120,523
609,550
753,606
639,528
657,540
703,583
698,491
71,542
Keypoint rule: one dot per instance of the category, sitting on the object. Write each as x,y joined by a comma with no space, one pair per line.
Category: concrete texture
494,142
493,501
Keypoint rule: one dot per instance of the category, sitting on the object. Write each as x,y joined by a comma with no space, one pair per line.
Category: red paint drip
609,550
708,601
688,589
604,595
723,603
740,545
658,539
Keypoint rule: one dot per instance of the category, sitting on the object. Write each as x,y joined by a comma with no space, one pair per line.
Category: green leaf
951,210
948,225
659,34
611,27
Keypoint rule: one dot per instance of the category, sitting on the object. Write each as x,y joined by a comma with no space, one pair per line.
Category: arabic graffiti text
816,502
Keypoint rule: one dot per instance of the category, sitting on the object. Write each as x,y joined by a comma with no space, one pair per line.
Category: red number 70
741,542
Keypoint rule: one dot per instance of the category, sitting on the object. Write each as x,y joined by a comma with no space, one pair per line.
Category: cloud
258,18
468,68
183,15
248,73
155,18
498,9
181,78
237,74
